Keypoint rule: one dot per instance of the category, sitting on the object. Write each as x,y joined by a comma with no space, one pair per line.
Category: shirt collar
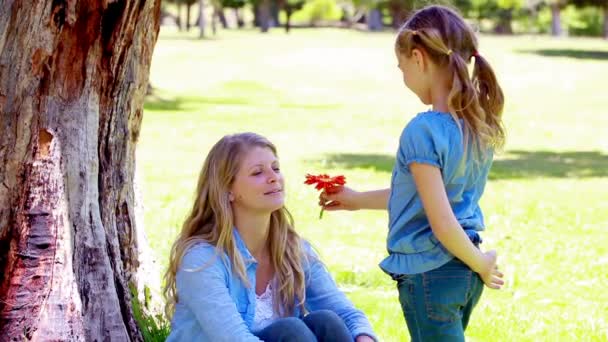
240,245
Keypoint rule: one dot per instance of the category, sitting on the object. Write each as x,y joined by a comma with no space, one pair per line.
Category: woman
239,271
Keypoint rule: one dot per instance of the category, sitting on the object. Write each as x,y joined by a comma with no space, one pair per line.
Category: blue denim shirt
215,305
432,138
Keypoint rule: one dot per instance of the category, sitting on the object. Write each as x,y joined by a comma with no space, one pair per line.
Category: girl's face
258,185
415,74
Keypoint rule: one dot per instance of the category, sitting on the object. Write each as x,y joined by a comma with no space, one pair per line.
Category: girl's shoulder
430,125
432,118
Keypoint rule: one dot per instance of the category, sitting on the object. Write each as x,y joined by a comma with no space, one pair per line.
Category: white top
264,311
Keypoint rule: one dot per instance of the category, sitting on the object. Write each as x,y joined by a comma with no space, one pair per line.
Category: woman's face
258,185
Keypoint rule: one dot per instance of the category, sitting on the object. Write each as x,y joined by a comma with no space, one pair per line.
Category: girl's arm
345,198
446,228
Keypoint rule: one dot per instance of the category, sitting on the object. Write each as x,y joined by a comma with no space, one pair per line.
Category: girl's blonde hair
448,40
211,221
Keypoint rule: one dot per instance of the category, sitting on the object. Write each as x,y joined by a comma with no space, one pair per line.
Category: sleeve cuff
422,161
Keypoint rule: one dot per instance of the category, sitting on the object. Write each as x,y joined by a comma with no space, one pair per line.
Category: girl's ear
230,196
420,59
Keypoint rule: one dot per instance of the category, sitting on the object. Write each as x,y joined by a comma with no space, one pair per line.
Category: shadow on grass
534,164
178,104
571,53
515,165
375,162
156,103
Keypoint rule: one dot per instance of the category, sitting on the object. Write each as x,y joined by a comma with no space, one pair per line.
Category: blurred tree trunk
239,20
374,20
188,7
505,17
73,76
264,15
201,18
556,23
179,15
222,17
288,13
399,10
605,21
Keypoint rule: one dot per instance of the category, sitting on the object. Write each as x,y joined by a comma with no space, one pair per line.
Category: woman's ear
230,196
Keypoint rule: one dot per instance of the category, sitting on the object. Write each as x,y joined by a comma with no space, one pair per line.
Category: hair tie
475,53
449,52
414,32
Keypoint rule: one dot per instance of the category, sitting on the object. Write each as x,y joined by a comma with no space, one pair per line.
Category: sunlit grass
333,101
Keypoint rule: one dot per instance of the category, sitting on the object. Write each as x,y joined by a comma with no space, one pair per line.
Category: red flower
325,182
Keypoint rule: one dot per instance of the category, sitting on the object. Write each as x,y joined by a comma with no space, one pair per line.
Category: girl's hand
364,338
489,272
339,198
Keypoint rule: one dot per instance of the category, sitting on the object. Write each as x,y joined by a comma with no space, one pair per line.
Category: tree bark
73,76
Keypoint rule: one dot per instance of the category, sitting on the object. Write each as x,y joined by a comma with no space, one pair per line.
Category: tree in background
290,6
602,4
237,6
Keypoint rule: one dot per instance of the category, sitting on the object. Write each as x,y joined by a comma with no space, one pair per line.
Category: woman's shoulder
199,254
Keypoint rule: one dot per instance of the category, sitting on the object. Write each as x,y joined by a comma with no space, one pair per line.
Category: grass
333,101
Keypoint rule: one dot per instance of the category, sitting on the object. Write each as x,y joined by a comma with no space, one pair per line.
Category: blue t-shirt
436,139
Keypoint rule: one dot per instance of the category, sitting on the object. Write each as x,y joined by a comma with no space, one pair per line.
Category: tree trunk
264,15
188,6
222,17
505,17
240,23
288,20
606,21
201,18
374,20
556,23
73,76
179,15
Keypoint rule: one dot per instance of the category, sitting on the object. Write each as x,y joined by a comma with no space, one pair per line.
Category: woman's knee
327,326
324,317
287,329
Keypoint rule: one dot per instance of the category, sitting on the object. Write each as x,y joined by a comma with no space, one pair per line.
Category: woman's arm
323,294
446,228
201,286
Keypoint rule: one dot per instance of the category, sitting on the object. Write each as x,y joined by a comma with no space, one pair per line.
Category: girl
239,271
441,169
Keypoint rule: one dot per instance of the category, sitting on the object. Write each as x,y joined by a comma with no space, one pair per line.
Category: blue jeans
322,325
437,304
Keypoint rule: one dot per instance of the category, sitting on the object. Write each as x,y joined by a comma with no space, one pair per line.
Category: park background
329,95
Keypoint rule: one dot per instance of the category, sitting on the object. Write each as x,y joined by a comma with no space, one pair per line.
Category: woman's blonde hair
211,221
448,40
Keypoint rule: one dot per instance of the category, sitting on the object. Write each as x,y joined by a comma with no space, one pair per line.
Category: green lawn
333,101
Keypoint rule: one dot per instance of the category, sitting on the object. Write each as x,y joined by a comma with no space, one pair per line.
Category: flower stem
321,213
